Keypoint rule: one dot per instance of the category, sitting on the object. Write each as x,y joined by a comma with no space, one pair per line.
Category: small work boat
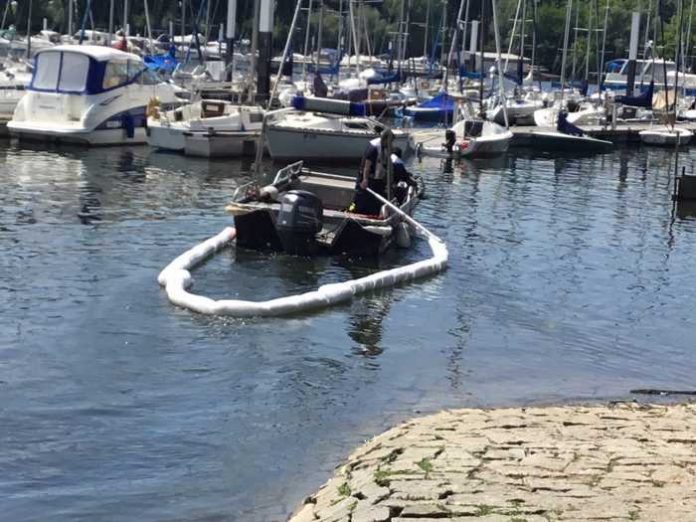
304,212
667,137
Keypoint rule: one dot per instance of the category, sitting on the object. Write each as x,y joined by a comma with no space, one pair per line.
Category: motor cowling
299,220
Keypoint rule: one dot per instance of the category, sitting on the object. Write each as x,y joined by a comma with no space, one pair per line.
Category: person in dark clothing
402,179
373,174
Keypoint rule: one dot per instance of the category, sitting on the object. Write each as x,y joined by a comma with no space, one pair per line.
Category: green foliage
344,490
380,24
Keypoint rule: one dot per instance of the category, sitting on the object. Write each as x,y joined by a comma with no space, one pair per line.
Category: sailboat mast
522,37
688,35
70,17
604,42
427,24
589,44
444,31
306,42
454,42
356,44
512,33
29,30
566,37
125,18
147,22
575,41
482,113
319,34
183,22
111,23
496,33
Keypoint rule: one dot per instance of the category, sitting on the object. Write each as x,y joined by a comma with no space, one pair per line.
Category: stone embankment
615,463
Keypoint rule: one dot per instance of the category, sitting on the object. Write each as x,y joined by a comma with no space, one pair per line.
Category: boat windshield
61,72
657,69
70,72
122,72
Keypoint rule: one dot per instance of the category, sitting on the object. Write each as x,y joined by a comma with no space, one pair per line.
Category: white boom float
176,279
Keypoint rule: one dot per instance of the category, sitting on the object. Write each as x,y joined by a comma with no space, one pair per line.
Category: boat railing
288,172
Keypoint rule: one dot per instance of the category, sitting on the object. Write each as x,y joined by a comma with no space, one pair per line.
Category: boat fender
128,123
153,106
269,192
403,237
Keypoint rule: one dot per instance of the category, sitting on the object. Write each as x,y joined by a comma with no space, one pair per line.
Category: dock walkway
616,463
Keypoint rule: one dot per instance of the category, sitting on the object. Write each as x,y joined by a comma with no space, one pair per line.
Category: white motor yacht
209,128
90,95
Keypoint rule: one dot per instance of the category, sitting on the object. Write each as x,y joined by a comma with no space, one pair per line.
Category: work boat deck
305,212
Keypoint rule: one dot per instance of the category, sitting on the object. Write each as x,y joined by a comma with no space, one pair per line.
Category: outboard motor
450,140
299,220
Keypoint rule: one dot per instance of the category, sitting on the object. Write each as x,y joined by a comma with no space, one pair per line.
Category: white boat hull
102,137
666,138
554,141
287,143
221,145
166,138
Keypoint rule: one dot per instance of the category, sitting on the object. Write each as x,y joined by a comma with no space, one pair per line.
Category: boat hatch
212,109
356,125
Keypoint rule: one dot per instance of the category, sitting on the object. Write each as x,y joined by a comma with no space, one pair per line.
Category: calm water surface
569,279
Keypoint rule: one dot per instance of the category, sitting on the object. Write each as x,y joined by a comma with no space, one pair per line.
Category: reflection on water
570,277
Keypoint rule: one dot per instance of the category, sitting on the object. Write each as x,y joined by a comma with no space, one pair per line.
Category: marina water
569,279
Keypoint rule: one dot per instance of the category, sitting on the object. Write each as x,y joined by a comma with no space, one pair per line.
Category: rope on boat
176,279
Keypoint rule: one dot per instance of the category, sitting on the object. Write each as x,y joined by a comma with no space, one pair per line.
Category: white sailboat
469,138
90,95
325,130
566,136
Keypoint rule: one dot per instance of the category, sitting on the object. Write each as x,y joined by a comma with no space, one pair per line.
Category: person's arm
366,174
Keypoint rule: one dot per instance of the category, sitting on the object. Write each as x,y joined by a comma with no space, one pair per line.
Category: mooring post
473,41
633,54
265,51
231,28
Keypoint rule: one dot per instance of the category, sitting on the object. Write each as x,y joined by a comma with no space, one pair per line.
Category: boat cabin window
61,72
212,109
121,72
473,128
356,125
47,71
255,117
73,77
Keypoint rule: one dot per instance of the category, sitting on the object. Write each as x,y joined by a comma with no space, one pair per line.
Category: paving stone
614,463
371,514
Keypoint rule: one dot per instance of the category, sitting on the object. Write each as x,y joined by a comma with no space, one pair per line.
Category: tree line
379,22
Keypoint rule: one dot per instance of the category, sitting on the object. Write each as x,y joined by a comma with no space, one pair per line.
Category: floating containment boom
176,279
